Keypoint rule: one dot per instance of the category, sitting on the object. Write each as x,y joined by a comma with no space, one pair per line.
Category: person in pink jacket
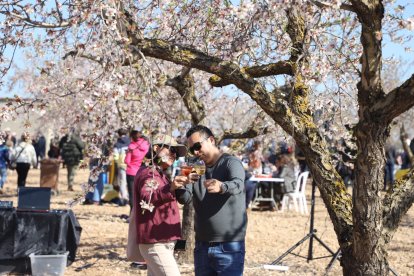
133,159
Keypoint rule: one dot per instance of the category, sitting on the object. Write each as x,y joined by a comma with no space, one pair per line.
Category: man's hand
212,185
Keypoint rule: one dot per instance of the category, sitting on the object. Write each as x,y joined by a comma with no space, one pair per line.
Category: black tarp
45,233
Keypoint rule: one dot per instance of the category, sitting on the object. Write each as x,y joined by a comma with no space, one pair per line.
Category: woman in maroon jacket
157,215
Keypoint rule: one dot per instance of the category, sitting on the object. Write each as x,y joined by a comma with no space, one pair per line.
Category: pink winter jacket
135,154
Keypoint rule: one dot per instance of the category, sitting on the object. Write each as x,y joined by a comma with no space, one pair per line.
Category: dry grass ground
269,235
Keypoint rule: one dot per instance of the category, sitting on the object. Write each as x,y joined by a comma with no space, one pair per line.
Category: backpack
70,153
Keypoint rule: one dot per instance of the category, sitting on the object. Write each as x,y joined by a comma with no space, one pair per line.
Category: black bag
13,164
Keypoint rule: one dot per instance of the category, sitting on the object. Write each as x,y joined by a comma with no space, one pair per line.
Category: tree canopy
303,63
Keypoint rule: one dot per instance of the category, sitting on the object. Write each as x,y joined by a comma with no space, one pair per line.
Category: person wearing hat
157,217
136,151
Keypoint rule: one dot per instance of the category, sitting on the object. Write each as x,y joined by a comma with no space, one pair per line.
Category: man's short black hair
205,131
122,132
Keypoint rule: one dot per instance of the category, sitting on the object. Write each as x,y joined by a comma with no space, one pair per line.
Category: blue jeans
3,176
219,258
97,193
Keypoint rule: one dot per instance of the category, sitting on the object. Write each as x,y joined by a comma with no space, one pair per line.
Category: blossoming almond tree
364,225
293,58
101,92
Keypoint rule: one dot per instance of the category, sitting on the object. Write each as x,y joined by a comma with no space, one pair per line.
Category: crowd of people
29,150
19,155
145,174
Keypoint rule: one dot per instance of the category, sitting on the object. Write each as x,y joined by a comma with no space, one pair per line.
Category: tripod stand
311,236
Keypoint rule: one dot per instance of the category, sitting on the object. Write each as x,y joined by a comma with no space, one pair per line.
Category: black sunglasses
197,146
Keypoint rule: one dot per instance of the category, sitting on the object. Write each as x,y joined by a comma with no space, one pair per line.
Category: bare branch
396,102
58,11
272,69
75,53
397,203
39,24
324,5
119,111
185,86
251,132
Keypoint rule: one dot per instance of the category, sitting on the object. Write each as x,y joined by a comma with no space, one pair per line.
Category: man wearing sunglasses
219,203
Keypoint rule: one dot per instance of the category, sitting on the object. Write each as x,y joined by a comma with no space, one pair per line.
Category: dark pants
130,184
389,175
250,191
22,170
96,195
71,174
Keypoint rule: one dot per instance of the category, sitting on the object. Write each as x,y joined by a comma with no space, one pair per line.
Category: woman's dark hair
205,131
150,153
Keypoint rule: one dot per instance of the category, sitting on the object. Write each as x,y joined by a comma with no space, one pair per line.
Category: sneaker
87,202
124,217
1,191
70,188
138,265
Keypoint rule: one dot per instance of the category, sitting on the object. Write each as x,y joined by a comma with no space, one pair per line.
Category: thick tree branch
278,68
251,132
185,86
395,102
397,203
309,139
193,58
255,129
323,5
370,14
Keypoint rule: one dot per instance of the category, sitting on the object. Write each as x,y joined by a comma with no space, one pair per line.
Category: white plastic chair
297,197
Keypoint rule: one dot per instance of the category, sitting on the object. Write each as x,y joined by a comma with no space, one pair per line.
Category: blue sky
390,49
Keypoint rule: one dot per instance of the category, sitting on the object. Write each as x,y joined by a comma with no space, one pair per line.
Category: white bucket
48,265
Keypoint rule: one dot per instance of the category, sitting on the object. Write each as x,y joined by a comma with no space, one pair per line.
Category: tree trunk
186,256
376,265
369,254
